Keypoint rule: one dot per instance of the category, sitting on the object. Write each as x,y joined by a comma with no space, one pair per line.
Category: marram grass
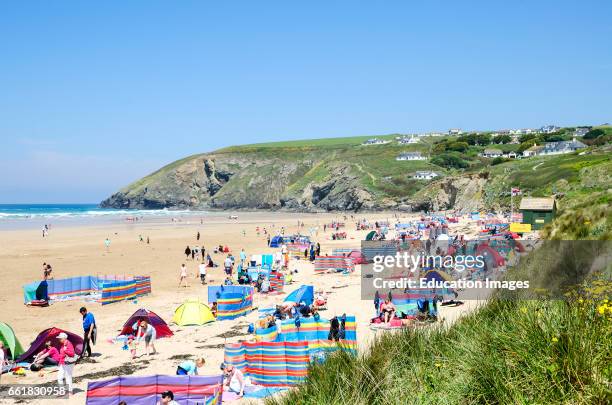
507,352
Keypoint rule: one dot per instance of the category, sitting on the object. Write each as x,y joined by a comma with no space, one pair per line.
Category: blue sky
96,95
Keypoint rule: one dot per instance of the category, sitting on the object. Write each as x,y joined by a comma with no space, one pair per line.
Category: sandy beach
79,250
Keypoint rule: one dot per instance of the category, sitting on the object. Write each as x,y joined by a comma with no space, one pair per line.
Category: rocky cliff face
462,193
303,180
230,181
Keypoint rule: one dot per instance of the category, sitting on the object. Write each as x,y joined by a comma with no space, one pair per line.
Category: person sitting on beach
167,398
278,313
270,321
209,261
147,332
320,300
190,367
234,380
305,310
388,311
47,272
213,309
287,308
228,281
243,276
265,285
259,282
49,356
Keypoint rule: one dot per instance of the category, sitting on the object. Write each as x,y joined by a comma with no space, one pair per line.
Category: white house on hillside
492,153
549,129
375,141
410,156
405,140
581,131
425,175
561,147
455,131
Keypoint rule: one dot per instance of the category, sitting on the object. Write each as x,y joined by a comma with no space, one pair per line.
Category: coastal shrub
450,160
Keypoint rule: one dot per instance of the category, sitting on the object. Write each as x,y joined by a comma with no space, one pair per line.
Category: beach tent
276,241
161,327
303,294
50,335
370,236
11,344
193,312
491,256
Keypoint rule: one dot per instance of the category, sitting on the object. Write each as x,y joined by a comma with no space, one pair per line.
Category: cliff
341,174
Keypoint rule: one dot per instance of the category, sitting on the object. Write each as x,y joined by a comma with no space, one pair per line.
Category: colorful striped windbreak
344,251
104,289
119,290
373,248
298,249
232,301
280,363
271,364
316,333
146,390
266,334
340,263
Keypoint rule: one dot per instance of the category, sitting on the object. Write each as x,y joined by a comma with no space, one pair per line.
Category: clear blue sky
94,95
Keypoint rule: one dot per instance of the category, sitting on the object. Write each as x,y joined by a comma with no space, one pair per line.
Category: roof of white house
564,145
537,204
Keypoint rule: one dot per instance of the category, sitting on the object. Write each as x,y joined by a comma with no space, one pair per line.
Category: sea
20,215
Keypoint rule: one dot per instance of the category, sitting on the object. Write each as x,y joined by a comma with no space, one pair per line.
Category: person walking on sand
187,252
147,332
183,275
198,236
228,264
202,270
107,244
67,358
243,256
90,331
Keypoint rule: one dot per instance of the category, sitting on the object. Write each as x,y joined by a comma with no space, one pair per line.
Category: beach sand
79,250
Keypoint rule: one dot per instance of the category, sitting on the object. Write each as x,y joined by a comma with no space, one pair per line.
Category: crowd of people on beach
235,270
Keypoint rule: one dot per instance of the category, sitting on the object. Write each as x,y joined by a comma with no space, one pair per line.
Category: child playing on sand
183,275
131,347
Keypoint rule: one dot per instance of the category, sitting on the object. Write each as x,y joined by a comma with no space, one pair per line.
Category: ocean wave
52,213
